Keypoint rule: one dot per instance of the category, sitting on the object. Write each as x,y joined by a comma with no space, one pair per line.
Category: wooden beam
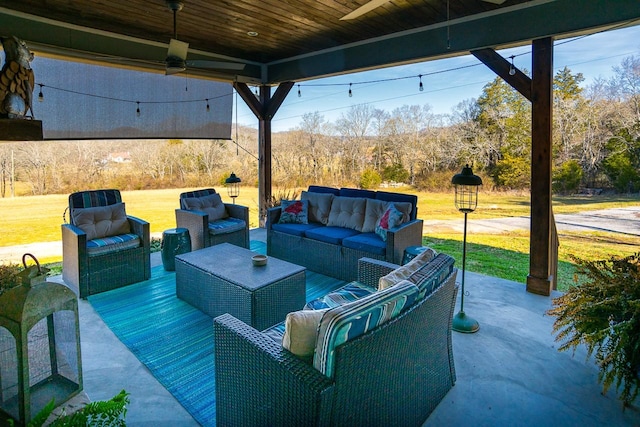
20,130
519,80
541,266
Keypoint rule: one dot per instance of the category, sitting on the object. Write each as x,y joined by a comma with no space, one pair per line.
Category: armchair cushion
102,221
226,225
404,272
211,205
348,293
294,212
112,244
319,206
345,322
301,332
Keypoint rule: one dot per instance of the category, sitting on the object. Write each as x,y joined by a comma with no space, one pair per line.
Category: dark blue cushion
356,192
333,235
368,242
398,197
321,189
295,229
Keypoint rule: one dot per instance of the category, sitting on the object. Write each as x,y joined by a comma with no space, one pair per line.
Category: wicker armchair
232,228
96,263
395,374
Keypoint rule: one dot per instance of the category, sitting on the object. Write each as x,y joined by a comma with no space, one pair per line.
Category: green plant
603,313
105,413
370,178
280,195
567,178
9,277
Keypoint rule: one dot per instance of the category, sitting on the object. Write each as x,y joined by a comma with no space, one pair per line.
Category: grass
37,219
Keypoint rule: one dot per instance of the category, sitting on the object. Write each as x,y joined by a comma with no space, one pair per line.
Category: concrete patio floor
509,373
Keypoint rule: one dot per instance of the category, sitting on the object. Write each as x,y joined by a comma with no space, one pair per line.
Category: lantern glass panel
466,198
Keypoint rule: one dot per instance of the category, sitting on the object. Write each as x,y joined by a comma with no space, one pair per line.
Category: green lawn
38,218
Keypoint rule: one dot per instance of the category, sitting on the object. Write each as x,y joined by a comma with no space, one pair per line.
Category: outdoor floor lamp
466,185
233,186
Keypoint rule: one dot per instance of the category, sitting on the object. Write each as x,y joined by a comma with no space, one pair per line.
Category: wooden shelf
20,130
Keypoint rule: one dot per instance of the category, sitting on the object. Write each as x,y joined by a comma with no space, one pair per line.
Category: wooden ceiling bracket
499,65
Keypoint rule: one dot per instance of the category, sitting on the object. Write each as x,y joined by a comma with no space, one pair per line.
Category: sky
447,82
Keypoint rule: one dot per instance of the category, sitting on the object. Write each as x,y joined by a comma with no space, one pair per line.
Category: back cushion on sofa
348,321
103,221
357,192
319,206
211,205
400,198
404,272
376,208
347,212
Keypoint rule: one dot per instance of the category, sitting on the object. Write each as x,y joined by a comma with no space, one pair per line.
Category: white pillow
301,331
376,208
211,205
101,221
319,205
404,272
347,212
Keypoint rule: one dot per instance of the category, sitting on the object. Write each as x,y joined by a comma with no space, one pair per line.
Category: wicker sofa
393,374
340,229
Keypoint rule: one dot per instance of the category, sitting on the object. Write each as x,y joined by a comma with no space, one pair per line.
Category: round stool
410,252
175,241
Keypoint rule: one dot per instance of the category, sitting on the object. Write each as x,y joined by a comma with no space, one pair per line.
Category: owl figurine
16,80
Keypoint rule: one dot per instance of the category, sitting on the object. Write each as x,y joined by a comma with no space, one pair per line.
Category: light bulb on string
208,107
512,69
421,86
40,95
299,93
350,92
138,109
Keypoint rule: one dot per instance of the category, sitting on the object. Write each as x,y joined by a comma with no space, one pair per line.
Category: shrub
396,173
512,172
567,178
370,179
603,313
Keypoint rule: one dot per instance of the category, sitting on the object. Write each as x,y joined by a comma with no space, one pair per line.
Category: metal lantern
466,185
233,186
39,349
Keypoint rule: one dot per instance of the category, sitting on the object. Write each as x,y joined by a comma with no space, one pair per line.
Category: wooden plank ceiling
297,39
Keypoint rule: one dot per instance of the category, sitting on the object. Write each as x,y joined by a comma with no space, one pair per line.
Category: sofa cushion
226,225
345,322
357,192
376,208
400,197
322,189
391,218
404,272
319,206
348,293
432,274
301,332
294,229
368,242
211,205
112,244
294,212
347,212
102,221
327,234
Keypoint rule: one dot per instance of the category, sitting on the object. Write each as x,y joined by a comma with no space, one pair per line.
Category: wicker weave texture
253,295
395,374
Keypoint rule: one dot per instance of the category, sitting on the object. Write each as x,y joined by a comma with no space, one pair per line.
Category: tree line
596,145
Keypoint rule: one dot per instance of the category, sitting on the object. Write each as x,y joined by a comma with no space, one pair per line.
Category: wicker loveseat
210,221
393,374
103,248
342,227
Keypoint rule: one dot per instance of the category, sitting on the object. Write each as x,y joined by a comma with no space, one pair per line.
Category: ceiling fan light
175,65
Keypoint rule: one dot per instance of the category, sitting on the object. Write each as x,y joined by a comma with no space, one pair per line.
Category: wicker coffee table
222,279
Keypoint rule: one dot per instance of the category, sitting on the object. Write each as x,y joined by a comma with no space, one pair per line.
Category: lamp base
463,323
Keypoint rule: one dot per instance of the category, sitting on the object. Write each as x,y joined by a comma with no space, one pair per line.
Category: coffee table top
233,264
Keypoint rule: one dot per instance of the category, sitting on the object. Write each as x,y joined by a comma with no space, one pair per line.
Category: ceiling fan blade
178,49
367,7
218,65
495,1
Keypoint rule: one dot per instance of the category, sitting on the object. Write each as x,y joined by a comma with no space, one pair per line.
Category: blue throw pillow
391,218
294,212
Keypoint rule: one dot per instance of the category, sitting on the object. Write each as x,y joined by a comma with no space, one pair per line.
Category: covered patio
508,373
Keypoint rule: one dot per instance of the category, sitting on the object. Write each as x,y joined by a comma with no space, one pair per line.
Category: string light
208,107
512,69
299,93
350,92
40,95
421,86
138,109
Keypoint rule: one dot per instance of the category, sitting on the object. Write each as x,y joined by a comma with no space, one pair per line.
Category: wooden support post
540,277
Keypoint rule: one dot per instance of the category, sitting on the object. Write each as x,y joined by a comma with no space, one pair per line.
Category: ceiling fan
176,60
368,7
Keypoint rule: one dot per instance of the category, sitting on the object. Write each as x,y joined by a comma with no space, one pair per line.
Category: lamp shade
233,179
466,185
